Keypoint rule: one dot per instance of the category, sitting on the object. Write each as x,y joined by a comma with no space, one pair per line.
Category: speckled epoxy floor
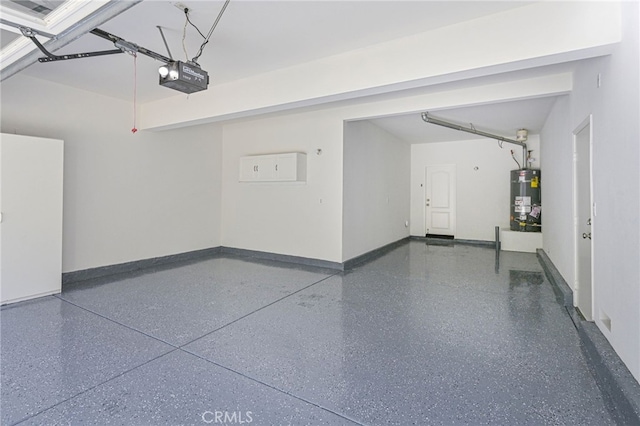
425,335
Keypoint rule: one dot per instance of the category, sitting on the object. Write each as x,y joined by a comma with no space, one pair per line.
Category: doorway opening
440,201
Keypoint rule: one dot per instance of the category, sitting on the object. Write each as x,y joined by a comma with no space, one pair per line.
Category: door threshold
439,236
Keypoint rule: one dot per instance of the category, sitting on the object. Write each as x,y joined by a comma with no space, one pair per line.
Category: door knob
585,235
589,221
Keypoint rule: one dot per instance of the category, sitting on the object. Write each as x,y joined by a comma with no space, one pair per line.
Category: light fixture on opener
163,71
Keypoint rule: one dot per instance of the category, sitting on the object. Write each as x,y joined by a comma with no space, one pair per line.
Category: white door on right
583,218
440,200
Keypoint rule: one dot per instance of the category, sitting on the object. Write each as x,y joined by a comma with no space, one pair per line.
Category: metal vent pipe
429,119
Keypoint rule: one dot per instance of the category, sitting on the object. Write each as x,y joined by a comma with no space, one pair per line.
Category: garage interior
262,248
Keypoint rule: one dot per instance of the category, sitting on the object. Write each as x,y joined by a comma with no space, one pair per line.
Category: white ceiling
255,37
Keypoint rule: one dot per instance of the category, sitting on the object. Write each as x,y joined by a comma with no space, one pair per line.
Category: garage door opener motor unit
187,77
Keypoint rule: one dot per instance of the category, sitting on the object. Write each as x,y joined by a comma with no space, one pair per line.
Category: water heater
526,202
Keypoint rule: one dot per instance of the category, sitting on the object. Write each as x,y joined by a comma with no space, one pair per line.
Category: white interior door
440,200
583,220
31,227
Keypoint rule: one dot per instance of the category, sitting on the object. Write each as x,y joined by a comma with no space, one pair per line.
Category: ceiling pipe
429,119
99,17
